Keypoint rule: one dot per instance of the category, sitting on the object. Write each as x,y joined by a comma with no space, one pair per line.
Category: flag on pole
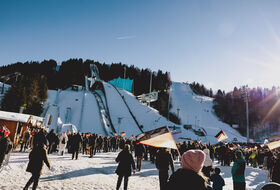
273,145
221,136
122,133
160,137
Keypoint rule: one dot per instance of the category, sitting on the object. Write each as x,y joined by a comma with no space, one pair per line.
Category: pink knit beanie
193,160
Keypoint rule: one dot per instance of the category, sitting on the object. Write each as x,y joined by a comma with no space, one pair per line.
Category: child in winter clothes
218,181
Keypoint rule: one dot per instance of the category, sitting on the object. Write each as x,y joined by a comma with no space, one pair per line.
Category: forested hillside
49,75
264,108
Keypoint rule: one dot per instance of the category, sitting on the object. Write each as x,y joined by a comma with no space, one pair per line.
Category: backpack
63,140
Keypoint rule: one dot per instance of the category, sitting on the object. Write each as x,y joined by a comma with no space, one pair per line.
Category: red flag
160,137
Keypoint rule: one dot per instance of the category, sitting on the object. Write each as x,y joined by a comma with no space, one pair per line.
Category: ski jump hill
110,110
197,112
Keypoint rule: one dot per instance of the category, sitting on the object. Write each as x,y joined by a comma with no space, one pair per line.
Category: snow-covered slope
197,111
127,113
67,105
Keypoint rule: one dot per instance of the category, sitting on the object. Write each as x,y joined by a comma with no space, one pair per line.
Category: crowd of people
197,159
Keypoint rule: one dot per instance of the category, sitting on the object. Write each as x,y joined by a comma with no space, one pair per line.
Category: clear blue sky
220,43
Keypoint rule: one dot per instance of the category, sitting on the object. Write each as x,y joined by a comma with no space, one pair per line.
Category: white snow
81,109
99,173
197,111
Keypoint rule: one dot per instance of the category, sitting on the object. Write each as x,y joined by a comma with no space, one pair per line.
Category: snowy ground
98,173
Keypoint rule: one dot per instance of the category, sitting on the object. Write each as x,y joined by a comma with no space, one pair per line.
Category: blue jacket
218,182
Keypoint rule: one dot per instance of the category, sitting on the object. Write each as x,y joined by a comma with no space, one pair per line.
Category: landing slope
197,111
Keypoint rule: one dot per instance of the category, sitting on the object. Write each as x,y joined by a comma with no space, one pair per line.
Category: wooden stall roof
23,118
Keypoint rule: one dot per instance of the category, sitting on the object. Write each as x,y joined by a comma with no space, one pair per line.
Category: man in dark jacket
39,138
37,158
76,143
51,139
92,145
139,153
4,144
123,170
163,161
85,143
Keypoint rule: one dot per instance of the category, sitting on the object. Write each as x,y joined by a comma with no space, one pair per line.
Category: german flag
221,136
160,137
122,133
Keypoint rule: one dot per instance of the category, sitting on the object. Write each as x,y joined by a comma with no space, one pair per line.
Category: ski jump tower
94,76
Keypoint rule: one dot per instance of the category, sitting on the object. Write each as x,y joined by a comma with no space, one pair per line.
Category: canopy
69,127
125,84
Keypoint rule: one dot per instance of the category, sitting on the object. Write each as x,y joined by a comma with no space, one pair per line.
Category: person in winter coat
37,158
25,141
92,144
139,153
51,139
76,143
218,181
207,166
85,144
254,157
163,161
190,174
123,170
237,171
62,143
39,138
275,175
4,146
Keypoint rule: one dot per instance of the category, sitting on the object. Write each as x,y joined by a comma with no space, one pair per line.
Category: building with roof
17,123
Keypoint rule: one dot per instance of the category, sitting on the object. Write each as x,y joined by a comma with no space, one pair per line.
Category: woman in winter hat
189,176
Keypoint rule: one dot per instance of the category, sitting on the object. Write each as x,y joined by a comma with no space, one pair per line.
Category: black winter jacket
126,161
184,179
4,143
164,160
37,157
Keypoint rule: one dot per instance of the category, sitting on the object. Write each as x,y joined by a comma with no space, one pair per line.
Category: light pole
151,79
178,110
168,74
119,123
247,111
124,73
